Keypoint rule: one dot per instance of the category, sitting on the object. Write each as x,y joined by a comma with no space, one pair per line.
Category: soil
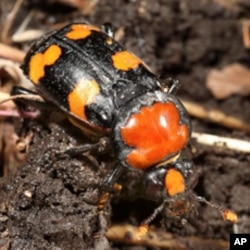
51,200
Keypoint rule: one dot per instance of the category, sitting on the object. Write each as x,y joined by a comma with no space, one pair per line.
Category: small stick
223,142
246,32
10,20
128,234
11,53
23,35
216,116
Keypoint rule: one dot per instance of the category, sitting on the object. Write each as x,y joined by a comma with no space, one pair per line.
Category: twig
86,6
128,234
229,4
23,35
223,142
246,32
216,116
27,35
14,72
11,53
10,20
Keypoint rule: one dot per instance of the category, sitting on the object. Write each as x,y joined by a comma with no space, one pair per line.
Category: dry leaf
233,79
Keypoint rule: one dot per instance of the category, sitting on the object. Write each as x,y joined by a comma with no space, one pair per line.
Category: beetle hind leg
169,85
108,29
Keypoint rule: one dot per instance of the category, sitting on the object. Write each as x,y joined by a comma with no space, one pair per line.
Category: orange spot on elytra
80,31
124,60
154,133
40,60
84,93
174,182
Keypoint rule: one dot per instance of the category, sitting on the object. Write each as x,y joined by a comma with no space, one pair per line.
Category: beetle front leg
110,185
101,146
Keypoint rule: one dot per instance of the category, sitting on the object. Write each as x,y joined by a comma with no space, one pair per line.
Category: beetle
106,90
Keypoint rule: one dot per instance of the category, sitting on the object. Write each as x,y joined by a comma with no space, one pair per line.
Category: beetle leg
109,183
174,86
101,146
108,29
169,85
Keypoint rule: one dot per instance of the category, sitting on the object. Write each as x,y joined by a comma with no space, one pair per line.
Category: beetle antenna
226,213
143,228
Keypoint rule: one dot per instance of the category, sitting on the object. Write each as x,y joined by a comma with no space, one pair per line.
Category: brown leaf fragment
233,79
